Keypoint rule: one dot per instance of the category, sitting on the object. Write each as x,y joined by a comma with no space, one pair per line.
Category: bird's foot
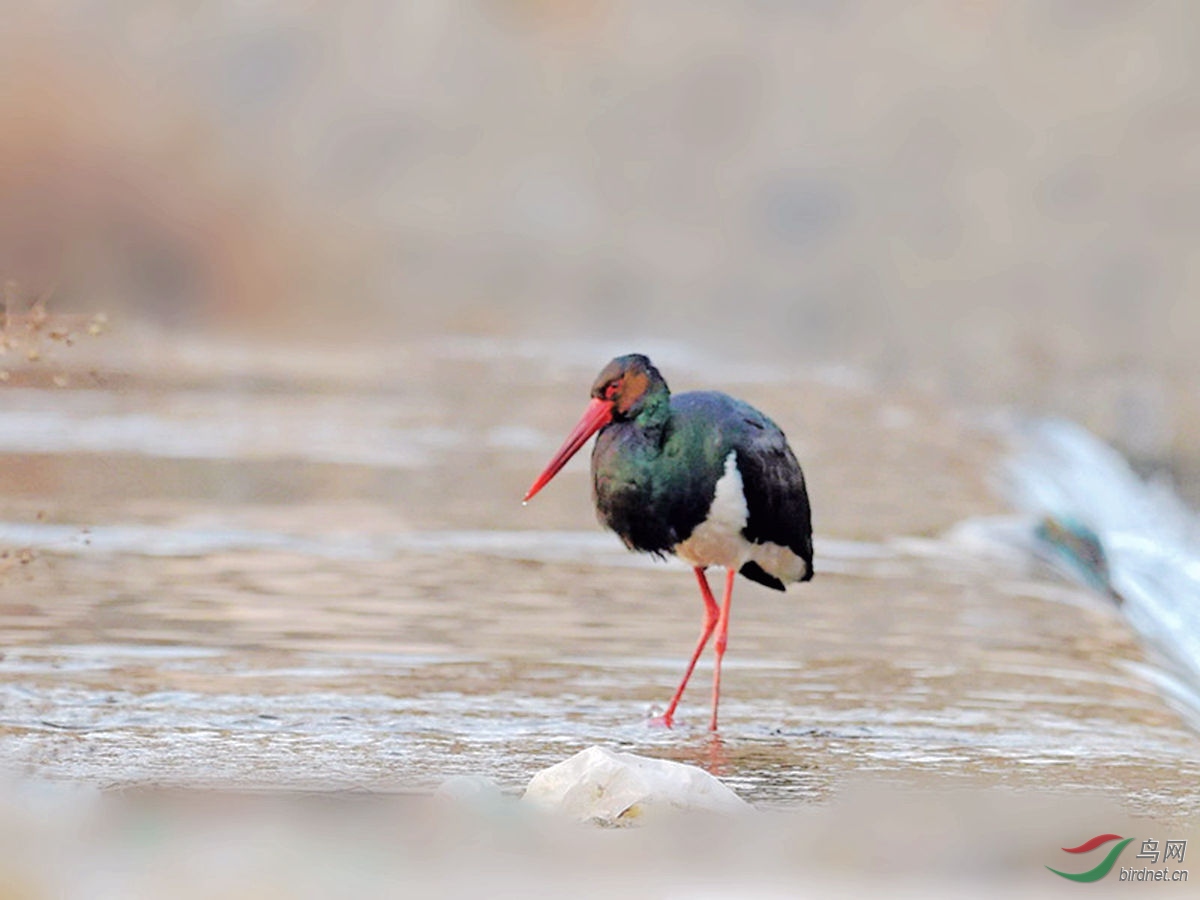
664,721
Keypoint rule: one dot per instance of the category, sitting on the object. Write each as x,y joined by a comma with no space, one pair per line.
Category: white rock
598,785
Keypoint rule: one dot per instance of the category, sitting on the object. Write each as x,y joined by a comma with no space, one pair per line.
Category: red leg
721,642
711,612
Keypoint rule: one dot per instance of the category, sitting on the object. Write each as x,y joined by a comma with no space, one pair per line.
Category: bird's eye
610,391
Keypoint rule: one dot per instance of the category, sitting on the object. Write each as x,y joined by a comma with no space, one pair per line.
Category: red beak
596,416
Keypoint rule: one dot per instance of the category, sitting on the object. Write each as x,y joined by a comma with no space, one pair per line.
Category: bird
699,475
1067,540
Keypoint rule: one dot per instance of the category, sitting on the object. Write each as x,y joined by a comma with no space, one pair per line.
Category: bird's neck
654,415
641,435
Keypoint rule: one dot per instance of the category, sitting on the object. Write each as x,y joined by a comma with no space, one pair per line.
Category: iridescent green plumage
655,469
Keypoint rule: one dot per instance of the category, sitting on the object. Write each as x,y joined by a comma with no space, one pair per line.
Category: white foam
1152,539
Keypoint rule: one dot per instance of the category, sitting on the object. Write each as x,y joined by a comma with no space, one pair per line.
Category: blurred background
995,201
299,298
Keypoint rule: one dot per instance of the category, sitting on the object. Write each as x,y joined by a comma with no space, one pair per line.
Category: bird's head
627,384
625,389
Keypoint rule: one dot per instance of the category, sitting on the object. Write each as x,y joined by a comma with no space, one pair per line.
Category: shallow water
328,584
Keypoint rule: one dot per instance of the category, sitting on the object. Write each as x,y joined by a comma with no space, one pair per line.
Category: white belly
718,540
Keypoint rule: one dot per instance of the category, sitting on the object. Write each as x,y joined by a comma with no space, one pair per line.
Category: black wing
776,497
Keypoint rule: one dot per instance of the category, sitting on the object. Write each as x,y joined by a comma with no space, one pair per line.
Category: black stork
699,475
